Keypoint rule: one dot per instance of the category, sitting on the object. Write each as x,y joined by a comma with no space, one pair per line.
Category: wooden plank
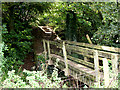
106,72
65,58
78,48
106,48
90,51
87,55
88,38
49,55
96,63
82,52
58,45
81,61
114,58
78,67
45,51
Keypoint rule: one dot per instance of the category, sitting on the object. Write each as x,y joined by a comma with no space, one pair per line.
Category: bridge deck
78,67
84,62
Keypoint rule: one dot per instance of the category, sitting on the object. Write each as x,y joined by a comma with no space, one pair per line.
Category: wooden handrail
92,46
95,52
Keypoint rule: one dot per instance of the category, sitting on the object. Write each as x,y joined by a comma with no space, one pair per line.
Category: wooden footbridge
85,62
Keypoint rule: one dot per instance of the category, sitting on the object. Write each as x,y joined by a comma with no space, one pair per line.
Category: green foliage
41,58
108,33
32,79
18,34
18,46
2,59
85,19
97,19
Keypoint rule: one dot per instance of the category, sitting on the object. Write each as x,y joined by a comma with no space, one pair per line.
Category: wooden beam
81,61
49,55
88,38
96,63
114,59
45,51
98,47
106,72
65,59
90,51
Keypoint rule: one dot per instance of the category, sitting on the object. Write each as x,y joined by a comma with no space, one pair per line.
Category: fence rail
83,60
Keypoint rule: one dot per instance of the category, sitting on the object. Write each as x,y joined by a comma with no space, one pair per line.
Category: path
39,33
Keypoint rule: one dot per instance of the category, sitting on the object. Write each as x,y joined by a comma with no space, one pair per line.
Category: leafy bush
32,79
18,45
2,59
108,33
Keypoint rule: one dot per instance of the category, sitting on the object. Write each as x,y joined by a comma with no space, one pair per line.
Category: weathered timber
90,51
49,55
65,58
61,65
78,68
87,55
58,45
57,53
81,61
96,63
45,51
106,48
106,72
81,67
103,54
77,48
114,58
88,38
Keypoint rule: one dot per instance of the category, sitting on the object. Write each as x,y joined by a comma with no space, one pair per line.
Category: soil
28,62
37,47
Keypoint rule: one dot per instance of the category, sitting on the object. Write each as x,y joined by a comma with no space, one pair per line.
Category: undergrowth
32,79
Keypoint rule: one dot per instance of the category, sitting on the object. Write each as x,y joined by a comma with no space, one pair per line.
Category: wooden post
48,45
106,72
45,49
77,80
96,63
114,59
88,38
65,58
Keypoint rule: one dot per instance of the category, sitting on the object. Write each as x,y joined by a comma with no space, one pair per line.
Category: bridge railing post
96,66
106,72
49,55
45,51
65,59
114,59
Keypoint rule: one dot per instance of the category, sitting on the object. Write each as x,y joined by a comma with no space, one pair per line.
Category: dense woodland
70,20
